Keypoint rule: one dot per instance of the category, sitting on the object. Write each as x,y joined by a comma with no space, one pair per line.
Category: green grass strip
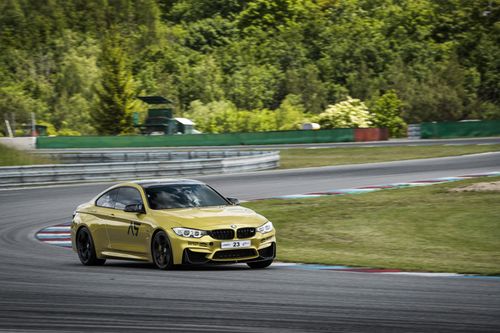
302,158
11,157
413,229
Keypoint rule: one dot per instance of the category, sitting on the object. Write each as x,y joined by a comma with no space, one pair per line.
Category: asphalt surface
44,288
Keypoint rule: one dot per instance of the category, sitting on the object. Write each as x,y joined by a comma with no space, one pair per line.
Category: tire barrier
414,131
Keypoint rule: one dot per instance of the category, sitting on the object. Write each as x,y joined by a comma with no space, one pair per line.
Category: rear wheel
85,248
260,264
161,251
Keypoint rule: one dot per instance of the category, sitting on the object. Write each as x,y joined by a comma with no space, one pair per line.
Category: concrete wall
22,143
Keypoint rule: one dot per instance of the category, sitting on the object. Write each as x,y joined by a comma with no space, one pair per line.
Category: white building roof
184,121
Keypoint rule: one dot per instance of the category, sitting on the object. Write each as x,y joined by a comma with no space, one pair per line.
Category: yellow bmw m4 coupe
170,222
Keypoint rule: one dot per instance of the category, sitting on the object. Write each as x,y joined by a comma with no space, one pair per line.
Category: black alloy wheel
85,248
161,251
260,264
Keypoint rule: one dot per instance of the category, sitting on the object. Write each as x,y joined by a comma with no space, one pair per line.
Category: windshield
183,196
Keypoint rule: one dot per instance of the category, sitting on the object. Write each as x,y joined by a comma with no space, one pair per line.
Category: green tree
192,10
75,97
440,57
202,81
269,14
306,83
213,117
254,87
113,114
290,114
386,112
16,104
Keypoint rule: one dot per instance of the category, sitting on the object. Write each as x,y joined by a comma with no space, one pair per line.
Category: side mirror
135,208
233,201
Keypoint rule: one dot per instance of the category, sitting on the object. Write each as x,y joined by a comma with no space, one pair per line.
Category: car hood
207,218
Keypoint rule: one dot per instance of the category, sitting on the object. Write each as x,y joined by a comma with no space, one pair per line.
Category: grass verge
301,158
414,229
10,157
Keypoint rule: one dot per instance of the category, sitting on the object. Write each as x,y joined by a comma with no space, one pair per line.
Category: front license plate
235,244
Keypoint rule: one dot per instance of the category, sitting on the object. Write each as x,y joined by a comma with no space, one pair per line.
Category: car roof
165,181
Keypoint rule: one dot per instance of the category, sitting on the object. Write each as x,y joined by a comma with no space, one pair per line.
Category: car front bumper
207,249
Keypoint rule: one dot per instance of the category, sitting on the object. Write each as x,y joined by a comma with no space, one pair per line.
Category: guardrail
146,156
90,172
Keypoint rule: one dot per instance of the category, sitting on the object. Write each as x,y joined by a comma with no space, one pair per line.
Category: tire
260,264
161,251
86,250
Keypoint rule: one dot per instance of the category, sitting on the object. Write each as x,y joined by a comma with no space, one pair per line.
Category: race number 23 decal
133,228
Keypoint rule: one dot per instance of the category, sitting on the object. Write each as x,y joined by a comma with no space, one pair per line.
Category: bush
290,114
347,114
51,130
68,132
214,117
224,117
386,112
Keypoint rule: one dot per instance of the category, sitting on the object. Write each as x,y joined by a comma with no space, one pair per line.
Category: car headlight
265,228
189,233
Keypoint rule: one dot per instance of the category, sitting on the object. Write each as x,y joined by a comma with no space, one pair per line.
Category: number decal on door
133,228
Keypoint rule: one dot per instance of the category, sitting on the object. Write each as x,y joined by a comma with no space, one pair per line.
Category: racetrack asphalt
44,288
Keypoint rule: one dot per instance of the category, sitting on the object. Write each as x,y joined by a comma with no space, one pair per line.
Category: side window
127,196
107,199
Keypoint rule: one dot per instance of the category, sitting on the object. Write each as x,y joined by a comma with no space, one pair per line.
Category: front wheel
161,251
86,250
260,264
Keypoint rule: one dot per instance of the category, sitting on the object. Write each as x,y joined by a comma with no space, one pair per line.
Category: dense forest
234,65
